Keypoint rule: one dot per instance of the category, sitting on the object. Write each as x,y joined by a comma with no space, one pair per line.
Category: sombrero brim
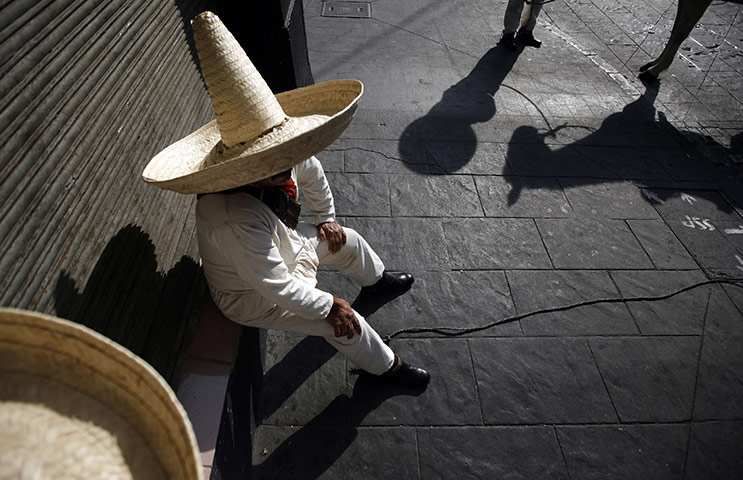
74,404
318,114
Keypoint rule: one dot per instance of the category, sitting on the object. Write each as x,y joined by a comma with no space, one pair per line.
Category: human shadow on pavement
450,122
315,447
128,300
628,145
291,372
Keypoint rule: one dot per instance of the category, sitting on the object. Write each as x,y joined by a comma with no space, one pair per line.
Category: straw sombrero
255,134
75,405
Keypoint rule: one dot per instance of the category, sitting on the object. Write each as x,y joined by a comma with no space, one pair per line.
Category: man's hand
342,319
333,233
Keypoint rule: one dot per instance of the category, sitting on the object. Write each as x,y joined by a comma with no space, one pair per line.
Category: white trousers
360,263
513,16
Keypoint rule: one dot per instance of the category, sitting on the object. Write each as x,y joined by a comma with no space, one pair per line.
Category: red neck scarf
291,189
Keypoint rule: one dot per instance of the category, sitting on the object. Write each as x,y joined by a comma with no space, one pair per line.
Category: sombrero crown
255,134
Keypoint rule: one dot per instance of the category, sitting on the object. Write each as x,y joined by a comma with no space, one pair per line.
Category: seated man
259,261
261,271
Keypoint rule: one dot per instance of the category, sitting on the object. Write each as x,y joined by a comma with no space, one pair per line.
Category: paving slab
619,200
661,244
458,299
680,205
379,156
626,451
544,198
539,380
408,243
538,290
439,196
294,452
683,314
494,243
650,379
481,158
592,243
707,244
719,392
302,375
361,194
450,399
528,155
490,452
630,163
715,450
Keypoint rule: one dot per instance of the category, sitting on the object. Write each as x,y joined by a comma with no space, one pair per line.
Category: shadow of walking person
444,138
315,448
630,145
129,301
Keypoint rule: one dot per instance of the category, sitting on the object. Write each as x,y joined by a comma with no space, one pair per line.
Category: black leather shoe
508,40
403,375
527,38
389,287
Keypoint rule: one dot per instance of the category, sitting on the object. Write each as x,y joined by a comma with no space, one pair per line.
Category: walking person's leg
511,20
528,22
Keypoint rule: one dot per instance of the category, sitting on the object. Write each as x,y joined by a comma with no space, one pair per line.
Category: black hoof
648,78
646,66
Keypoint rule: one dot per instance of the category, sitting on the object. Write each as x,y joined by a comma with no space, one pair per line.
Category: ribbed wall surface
89,92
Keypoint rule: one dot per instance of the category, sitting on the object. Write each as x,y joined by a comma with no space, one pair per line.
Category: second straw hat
76,405
256,134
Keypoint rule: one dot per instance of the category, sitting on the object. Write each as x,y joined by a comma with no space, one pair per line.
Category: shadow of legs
313,449
292,371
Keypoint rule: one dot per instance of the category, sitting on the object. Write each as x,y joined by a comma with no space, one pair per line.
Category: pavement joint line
477,383
696,379
603,381
449,426
562,452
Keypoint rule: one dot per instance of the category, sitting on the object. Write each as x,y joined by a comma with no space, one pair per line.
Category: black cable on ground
453,331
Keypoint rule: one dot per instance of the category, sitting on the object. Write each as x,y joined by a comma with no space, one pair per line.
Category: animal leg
688,14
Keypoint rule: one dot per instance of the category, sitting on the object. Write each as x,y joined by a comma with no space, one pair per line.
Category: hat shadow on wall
129,301
187,10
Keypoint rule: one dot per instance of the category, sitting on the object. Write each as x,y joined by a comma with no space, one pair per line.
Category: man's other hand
343,319
333,233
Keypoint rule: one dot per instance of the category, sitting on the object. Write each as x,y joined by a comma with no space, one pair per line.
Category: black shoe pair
389,287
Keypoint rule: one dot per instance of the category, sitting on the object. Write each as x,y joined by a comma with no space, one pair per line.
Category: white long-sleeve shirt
254,262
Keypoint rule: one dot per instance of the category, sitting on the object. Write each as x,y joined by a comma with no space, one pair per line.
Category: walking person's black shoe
527,38
389,287
508,40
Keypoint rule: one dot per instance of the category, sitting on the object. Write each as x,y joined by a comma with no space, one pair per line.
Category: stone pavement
511,182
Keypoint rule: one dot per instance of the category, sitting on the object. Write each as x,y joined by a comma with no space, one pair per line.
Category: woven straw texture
255,134
75,405
243,103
